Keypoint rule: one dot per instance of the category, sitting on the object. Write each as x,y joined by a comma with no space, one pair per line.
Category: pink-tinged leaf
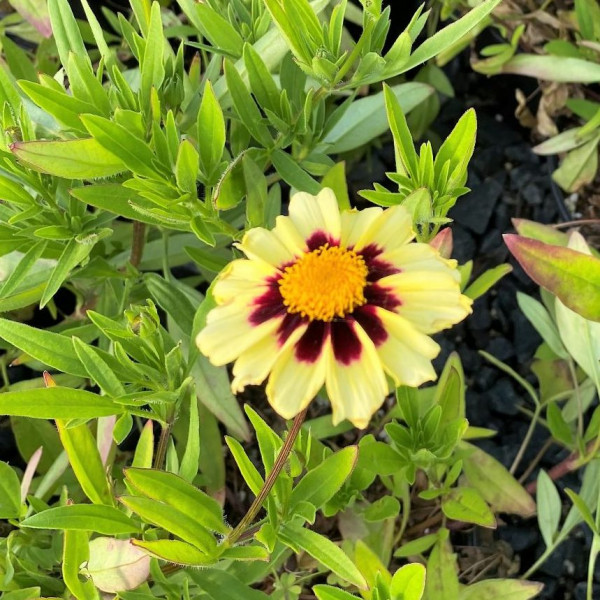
542,233
32,465
106,427
443,242
35,12
572,276
117,565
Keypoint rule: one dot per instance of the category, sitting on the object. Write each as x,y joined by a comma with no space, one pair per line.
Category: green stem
163,443
137,244
526,439
270,481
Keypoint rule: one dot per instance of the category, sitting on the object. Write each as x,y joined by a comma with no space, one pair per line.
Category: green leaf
466,504
65,30
99,372
172,520
10,493
80,446
215,581
381,458
173,300
71,159
87,517
501,589
134,152
442,571
408,582
57,403
179,494
579,166
327,592
457,150
151,66
76,553
73,254
186,167
548,506
386,507
293,174
336,179
583,509
188,469
323,550
495,484
365,119
539,317
417,546
221,34
447,36
175,551
246,107
571,275
249,472
211,132
487,280
115,198
262,84
320,484
559,428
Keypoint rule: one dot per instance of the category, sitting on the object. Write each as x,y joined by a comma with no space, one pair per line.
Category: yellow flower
340,299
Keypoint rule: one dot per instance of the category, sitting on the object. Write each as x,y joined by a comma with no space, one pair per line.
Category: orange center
325,283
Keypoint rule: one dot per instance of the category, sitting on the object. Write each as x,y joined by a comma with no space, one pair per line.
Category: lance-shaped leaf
57,403
175,551
494,589
495,484
10,492
86,517
72,159
572,276
178,493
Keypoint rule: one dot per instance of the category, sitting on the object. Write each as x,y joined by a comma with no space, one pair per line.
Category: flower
340,299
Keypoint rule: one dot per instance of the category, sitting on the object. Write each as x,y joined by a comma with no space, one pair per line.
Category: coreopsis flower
336,299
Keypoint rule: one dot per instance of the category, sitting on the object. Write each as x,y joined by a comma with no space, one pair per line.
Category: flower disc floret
343,300
325,283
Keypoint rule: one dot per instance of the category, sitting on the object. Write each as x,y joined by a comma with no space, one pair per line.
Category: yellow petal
228,332
293,383
431,300
420,257
253,365
242,277
391,229
356,390
355,223
407,353
265,245
315,213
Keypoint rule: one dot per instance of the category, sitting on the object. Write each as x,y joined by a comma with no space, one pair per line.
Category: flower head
340,299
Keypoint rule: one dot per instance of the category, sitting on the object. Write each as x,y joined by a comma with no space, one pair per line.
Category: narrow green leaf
221,34
57,403
553,68
442,571
175,551
73,254
116,139
321,483
447,36
188,469
186,167
579,166
487,280
211,131
548,508
327,592
179,494
151,66
174,301
293,174
323,550
80,446
87,517
65,30
71,159
249,472
172,520
539,317
10,492
99,372
75,553
501,589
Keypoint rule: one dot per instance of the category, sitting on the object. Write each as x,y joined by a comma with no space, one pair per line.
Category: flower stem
270,481
137,245
163,442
